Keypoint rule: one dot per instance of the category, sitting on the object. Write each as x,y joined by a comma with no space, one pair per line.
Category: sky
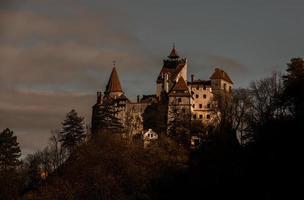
55,54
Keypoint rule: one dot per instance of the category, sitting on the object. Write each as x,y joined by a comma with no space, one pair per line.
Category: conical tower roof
113,83
173,54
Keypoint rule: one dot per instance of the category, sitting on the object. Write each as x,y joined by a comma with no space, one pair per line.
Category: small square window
204,96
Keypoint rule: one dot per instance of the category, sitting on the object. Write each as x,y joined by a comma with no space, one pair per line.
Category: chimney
192,78
99,97
137,98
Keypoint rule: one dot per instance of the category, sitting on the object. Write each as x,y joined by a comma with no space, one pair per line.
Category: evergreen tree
73,131
294,87
106,117
155,117
9,150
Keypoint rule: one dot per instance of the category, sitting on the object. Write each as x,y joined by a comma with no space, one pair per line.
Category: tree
9,150
73,131
294,87
106,117
179,124
33,171
155,117
57,152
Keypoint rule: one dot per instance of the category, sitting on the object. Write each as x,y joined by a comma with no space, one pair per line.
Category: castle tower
114,97
220,81
173,68
113,88
179,104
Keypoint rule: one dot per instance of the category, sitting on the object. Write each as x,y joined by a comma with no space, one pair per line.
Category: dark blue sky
55,54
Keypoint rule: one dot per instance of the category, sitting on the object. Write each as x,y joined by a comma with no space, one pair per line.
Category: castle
184,97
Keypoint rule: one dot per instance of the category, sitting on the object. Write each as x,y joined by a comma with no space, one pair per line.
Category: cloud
32,114
54,56
228,63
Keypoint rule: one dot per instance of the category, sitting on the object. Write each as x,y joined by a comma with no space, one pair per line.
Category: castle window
201,116
193,105
208,116
179,100
196,96
200,106
194,116
208,105
204,96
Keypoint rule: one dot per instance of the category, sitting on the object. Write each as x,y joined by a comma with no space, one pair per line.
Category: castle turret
220,81
113,88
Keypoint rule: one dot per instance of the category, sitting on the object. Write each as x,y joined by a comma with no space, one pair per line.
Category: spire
173,54
113,83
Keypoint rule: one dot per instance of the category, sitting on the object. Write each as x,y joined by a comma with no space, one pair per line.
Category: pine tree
106,118
294,87
73,131
9,150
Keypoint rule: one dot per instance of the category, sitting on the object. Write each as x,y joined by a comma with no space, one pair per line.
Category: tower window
200,106
196,96
204,96
201,116
208,116
208,105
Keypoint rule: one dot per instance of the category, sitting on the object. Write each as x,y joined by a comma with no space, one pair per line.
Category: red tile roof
173,68
113,83
221,74
180,85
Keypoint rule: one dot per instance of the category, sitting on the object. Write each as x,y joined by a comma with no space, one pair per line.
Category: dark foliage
155,117
106,117
9,150
73,131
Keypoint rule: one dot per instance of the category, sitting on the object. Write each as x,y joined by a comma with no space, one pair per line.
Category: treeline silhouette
253,152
